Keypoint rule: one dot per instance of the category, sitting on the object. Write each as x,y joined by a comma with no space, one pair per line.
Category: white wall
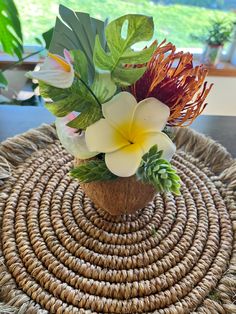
222,97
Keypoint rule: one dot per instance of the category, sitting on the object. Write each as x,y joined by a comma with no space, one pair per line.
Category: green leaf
3,81
45,39
90,115
153,150
47,36
80,64
76,98
10,29
127,76
39,41
92,170
77,31
158,172
103,86
139,28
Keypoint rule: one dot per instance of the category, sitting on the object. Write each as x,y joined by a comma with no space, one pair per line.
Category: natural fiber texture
62,255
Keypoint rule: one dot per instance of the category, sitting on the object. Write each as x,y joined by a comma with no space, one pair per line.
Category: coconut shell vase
115,108
119,196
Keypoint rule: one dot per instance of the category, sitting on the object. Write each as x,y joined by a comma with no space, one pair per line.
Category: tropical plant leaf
10,28
92,170
103,86
76,98
47,36
45,39
80,64
139,28
88,116
77,31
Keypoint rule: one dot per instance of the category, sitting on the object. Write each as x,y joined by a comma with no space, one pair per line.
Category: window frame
28,49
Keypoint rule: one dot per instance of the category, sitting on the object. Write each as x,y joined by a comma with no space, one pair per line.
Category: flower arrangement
113,103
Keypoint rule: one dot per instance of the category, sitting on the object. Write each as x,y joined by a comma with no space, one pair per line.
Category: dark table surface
15,120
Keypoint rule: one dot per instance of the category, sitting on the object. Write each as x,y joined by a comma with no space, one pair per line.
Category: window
175,20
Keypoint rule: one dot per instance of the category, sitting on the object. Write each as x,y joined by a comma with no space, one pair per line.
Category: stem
88,88
21,60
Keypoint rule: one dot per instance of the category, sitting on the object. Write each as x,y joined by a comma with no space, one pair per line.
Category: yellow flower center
131,135
66,66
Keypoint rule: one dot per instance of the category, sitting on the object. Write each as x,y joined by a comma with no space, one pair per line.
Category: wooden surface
225,69
222,69
16,119
23,67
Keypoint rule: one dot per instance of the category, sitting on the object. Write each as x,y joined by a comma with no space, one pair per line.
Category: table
15,120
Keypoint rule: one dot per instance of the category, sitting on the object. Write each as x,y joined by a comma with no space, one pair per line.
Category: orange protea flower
171,78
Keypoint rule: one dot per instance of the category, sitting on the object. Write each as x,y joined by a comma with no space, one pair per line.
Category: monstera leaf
103,86
75,98
121,55
77,31
10,28
47,36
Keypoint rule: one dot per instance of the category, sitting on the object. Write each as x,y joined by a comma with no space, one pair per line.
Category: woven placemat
60,254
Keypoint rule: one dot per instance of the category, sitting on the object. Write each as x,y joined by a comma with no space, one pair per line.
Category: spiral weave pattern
67,256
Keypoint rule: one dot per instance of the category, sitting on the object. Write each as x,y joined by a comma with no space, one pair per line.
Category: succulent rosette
113,103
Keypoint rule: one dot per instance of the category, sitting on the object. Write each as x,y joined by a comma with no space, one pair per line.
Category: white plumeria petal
125,161
128,131
147,140
102,137
150,116
55,71
119,111
73,142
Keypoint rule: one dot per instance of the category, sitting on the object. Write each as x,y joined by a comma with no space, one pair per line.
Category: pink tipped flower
55,71
71,140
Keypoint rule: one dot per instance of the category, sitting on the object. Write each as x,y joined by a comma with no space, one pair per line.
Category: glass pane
175,20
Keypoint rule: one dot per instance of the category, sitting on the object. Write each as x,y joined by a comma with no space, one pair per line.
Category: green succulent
92,170
158,172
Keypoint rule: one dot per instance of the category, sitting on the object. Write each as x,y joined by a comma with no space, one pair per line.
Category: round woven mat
63,255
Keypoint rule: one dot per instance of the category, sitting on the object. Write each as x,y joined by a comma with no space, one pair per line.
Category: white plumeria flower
72,141
128,131
55,71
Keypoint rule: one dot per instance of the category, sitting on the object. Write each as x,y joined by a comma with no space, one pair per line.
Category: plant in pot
114,106
217,35
232,49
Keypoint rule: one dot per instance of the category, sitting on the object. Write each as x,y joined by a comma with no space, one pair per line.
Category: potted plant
113,105
232,50
217,35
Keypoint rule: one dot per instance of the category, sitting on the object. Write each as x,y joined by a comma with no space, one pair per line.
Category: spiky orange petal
171,78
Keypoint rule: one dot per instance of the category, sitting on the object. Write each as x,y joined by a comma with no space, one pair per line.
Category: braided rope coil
60,254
